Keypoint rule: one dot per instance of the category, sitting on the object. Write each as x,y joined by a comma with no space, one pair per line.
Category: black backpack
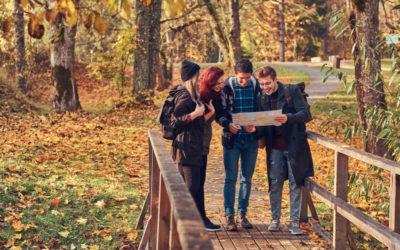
164,117
302,87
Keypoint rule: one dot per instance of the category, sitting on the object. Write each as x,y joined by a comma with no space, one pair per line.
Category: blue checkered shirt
244,100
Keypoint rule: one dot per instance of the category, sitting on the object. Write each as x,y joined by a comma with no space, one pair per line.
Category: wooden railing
343,212
174,221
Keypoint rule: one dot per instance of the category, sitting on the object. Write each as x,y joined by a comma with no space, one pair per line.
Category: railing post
304,205
155,179
340,224
394,192
174,243
164,209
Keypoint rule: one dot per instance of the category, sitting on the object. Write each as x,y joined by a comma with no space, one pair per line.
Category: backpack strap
288,96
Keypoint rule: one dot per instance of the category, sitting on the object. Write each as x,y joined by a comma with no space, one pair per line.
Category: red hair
208,79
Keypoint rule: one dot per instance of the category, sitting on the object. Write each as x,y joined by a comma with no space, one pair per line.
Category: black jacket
189,142
294,131
224,106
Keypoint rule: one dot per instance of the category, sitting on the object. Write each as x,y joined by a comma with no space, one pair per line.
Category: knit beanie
188,70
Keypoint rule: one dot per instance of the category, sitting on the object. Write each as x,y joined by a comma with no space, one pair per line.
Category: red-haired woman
210,86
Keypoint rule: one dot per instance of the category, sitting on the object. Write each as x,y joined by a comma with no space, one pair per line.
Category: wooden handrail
355,153
175,222
343,212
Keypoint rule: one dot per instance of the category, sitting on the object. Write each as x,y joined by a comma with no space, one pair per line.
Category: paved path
259,213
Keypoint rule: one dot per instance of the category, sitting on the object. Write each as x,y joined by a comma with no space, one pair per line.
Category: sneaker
274,226
244,222
231,223
294,229
211,227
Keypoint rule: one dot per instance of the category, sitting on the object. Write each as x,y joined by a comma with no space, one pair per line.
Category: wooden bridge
174,222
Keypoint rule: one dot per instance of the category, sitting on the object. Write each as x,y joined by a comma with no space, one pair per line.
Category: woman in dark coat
211,83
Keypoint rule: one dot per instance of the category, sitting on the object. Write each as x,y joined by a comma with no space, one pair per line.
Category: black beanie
188,70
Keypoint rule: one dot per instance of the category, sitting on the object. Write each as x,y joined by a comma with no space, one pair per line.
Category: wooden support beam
394,192
155,179
164,215
304,203
145,208
340,224
174,243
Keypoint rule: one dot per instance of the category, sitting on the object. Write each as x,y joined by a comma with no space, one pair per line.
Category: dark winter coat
294,131
188,144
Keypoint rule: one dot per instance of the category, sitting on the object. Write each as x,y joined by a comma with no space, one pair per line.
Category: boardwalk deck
259,237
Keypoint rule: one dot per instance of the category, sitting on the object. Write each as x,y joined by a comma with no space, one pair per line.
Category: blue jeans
246,148
280,170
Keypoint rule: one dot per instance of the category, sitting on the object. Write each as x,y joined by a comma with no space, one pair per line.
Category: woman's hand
210,107
199,111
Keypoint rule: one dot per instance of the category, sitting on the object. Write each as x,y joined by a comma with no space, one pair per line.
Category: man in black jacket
240,94
288,152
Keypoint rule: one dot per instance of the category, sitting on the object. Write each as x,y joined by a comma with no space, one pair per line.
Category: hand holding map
264,118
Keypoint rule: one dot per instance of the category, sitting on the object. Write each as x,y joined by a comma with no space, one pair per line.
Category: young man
288,152
239,94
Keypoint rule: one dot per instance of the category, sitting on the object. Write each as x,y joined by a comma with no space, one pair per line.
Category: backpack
164,117
289,99
252,80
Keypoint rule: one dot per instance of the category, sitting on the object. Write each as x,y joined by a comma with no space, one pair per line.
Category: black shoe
230,223
245,223
211,227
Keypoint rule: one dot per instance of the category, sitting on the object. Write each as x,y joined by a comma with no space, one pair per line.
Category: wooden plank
258,238
268,236
154,183
174,243
355,153
140,222
394,192
145,238
224,239
363,222
304,205
340,224
164,213
190,228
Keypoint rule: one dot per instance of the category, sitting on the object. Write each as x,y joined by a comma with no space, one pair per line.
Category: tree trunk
235,52
367,28
62,58
218,31
282,31
20,45
357,73
146,61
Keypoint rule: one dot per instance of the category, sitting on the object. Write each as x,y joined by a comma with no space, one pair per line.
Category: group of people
203,98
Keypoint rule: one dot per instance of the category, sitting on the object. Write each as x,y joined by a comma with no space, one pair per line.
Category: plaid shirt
244,100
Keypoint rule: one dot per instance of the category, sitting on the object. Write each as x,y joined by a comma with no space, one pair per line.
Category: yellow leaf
18,226
108,238
81,221
126,9
147,2
17,237
100,204
132,235
15,248
70,13
24,4
100,24
94,247
112,5
64,233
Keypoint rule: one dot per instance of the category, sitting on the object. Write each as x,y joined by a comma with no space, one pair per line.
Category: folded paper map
264,118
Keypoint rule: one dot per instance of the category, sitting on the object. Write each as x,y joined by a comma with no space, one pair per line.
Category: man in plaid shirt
238,95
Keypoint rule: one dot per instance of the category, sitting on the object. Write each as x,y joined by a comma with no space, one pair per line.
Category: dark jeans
195,177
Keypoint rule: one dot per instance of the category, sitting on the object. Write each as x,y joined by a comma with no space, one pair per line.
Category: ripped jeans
281,170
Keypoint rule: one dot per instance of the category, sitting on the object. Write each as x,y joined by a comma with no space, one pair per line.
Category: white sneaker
294,229
274,226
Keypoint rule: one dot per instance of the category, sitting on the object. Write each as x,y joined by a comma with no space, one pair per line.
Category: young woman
211,83
188,120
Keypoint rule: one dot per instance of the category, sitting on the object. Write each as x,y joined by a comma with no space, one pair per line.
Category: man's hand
250,128
210,107
234,128
281,118
261,142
